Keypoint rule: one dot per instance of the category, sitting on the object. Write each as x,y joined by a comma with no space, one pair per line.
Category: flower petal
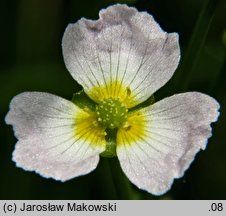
164,138
125,54
55,137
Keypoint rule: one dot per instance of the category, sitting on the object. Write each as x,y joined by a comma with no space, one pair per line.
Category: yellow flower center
111,113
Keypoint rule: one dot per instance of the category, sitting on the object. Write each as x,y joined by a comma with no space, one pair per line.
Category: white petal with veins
124,47
53,139
175,129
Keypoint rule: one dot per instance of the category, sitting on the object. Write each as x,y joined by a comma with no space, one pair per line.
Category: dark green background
31,60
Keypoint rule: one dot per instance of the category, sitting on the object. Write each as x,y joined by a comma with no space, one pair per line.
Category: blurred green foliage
31,60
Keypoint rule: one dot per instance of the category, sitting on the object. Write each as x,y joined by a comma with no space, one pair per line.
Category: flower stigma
111,113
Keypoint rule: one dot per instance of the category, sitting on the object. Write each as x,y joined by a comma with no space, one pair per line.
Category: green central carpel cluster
111,113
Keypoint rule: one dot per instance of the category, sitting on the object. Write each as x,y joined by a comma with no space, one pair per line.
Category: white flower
120,60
